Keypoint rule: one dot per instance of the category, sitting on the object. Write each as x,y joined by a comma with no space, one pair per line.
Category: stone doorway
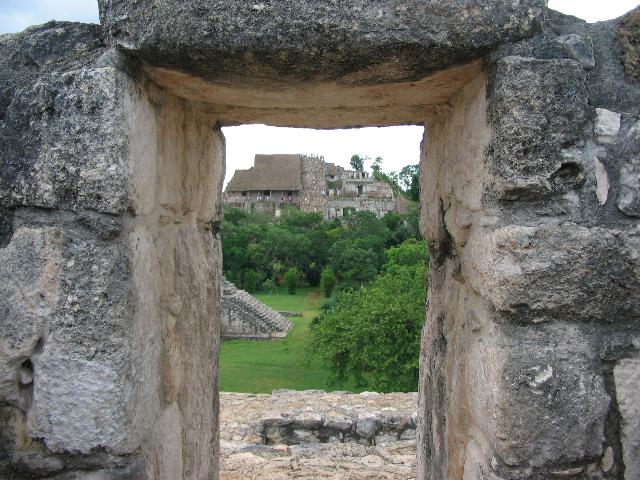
109,239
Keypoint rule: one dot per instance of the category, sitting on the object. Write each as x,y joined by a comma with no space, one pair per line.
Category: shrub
268,285
327,281
292,280
250,281
372,335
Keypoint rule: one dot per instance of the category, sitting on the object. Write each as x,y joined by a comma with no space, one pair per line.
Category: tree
291,280
372,335
393,221
355,264
376,166
327,281
357,162
409,178
270,246
250,281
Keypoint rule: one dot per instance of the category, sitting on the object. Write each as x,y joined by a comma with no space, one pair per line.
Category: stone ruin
314,434
278,181
244,316
112,162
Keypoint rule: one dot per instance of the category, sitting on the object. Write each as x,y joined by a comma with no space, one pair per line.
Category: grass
261,366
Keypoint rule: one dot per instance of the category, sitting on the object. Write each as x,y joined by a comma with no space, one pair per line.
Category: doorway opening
342,205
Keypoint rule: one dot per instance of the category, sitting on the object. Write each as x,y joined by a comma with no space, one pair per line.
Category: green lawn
255,366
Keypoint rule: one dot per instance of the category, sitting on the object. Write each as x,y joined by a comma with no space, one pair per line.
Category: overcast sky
398,146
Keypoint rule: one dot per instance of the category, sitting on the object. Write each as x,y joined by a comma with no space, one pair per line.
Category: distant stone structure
244,316
356,190
308,183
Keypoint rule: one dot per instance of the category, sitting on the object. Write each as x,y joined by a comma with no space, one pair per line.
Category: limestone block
366,41
62,127
602,181
452,165
627,379
628,200
66,299
629,196
537,109
539,392
607,125
367,426
578,48
556,272
109,264
308,421
336,421
77,132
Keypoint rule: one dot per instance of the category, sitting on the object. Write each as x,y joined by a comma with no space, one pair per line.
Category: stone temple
244,316
309,183
111,168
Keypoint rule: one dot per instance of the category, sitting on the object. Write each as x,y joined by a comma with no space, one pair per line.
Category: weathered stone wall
109,204
109,190
312,195
316,434
532,327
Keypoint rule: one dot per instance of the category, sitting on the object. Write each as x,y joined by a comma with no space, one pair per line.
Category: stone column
532,336
109,267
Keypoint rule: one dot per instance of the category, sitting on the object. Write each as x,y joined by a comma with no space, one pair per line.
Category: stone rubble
317,435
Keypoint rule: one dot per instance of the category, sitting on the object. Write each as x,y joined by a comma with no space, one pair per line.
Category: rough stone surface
542,273
607,125
630,39
111,166
532,128
52,76
370,41
246,420
339,417
109,189
520,384
629,197
356,63
627,379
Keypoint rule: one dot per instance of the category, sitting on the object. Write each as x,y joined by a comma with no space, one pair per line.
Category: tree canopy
357,162
372,334
258,248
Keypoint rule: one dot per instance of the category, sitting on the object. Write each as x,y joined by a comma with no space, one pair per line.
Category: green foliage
261,367
402,227
268,285
393,221
250,281
409,179
327,281
357,162
376,166
335,184
410,253
372,335
352,246
292,280
356,264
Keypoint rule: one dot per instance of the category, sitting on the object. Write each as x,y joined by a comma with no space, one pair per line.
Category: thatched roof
270,172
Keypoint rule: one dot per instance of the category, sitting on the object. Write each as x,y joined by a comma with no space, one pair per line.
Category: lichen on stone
629,33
